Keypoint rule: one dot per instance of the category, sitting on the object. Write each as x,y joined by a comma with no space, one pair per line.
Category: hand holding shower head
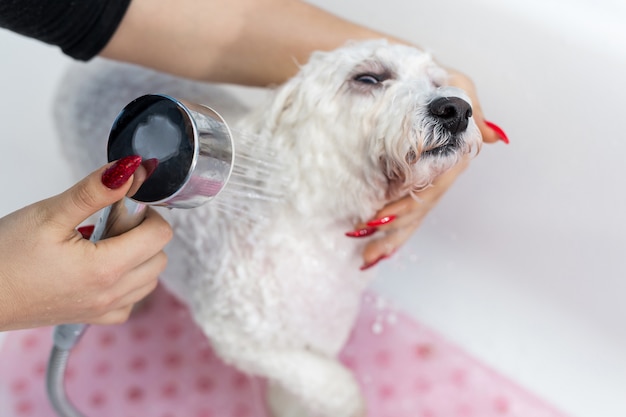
188,152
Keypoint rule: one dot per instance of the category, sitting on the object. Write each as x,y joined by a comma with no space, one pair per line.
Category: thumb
99,189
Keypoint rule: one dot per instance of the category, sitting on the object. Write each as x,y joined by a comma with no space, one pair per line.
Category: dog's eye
367,78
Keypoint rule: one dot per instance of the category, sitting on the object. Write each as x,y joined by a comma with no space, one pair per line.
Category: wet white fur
277,293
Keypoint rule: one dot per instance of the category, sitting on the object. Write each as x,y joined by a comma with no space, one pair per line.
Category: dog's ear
282,102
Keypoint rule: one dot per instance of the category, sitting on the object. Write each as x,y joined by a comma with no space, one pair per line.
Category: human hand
50,274
399,219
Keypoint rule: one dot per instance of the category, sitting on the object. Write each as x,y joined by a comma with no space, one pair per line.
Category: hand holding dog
403,217
50,274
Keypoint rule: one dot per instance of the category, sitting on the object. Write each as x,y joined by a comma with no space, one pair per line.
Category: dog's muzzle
452,113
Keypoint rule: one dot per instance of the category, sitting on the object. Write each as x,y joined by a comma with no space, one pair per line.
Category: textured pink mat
160,365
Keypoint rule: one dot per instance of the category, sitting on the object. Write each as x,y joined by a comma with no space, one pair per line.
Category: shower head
186,148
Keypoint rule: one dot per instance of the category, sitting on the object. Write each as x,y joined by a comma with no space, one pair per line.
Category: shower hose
114,220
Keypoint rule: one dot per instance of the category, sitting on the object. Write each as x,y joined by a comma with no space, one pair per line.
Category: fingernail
117,174
86,231
503,137
381,221
150,165
368,231
371,264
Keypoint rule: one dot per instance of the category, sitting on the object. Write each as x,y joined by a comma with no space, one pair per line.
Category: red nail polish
381,221
117,174
86,231
371,264
368,231
150,165
503,137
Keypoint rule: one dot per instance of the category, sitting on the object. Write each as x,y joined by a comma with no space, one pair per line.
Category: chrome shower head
186,148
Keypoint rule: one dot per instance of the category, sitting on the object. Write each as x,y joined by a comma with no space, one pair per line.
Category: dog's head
385,106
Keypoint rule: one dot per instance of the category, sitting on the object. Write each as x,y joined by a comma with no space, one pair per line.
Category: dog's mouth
443,150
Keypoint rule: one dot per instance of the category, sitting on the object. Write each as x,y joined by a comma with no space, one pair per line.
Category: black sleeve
81,28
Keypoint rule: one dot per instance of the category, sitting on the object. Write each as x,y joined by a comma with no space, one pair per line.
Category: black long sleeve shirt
81,28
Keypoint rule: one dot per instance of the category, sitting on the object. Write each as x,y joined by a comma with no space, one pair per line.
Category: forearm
250,42
10,301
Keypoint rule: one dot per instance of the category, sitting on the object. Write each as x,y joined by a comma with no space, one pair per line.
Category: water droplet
377,328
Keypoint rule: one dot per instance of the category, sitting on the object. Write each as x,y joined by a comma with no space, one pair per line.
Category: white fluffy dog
274,283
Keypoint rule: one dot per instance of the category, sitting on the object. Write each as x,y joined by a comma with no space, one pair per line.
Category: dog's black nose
453,112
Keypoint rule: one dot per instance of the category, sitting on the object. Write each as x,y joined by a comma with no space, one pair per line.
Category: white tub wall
522,262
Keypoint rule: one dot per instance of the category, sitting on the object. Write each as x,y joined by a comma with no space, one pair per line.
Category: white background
523,263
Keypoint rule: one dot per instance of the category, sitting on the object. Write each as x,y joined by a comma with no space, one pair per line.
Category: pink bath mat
160,365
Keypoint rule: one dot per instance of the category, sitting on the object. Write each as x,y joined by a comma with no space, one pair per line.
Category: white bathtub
523,262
